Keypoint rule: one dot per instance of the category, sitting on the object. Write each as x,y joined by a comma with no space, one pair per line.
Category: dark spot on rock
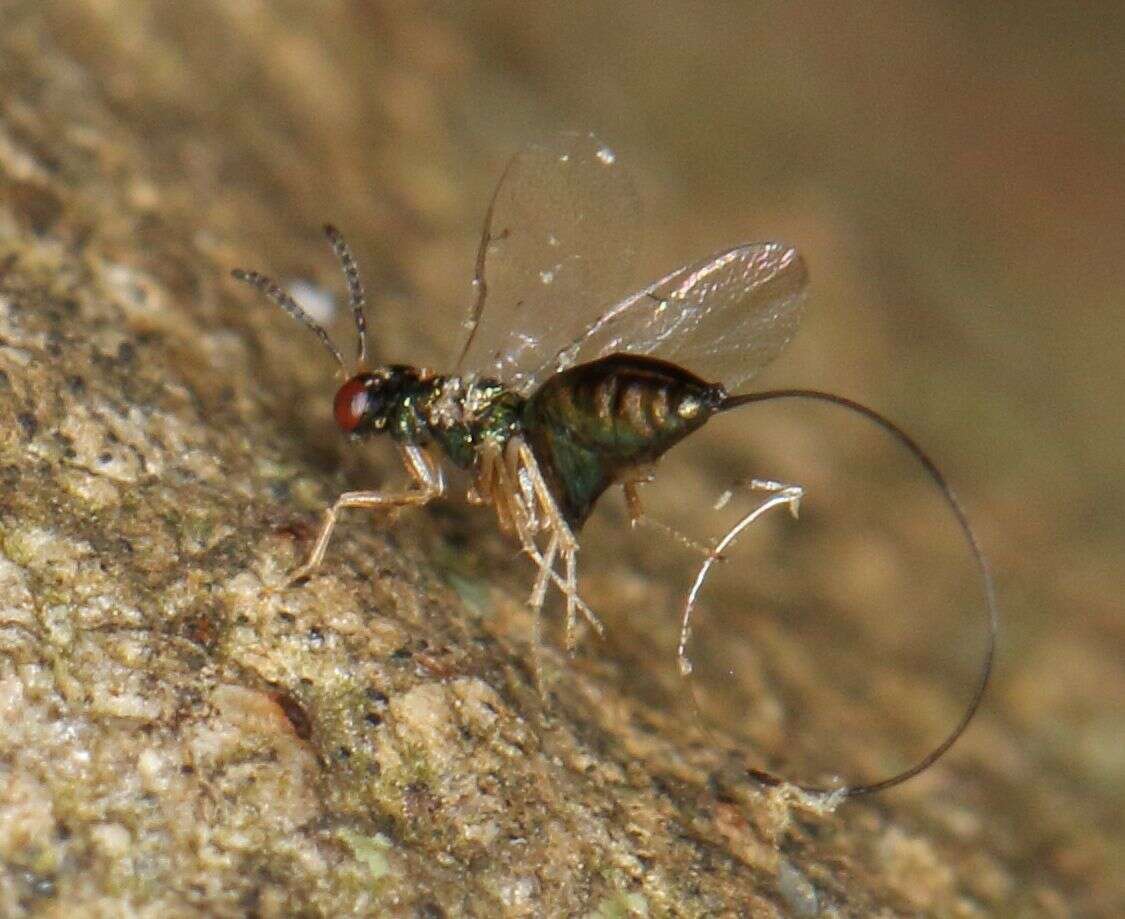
343,753
429,910
373,718
29,423
420,802
5,383
251,902
295,713
76,384
201,629
104,459
37,207
187,769
54,342
401,654
374,695
295,529
43,887
316,637
126,352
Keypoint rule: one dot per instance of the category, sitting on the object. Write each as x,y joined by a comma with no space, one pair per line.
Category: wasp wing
558,244
723,318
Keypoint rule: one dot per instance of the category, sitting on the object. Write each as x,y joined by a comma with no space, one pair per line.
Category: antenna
270,288
356,297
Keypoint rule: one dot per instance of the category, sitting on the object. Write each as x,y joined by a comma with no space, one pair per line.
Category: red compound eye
351,403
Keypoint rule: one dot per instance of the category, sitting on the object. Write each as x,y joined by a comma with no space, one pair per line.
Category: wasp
557,396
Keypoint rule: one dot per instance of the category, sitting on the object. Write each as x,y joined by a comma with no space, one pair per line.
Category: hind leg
638,518
780,495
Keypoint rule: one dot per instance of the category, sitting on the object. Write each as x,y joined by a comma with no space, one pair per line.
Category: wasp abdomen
591,424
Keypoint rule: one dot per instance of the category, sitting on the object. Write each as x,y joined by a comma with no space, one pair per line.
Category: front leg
429,483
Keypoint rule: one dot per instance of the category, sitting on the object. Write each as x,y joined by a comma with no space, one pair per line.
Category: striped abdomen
590,425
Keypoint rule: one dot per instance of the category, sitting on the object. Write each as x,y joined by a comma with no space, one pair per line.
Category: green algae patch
621,906
371,851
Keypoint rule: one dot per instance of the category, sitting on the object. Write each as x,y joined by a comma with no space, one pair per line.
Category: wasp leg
535,601
779,495
546,566
429,481
497,481
568,546
521,481
509,503
638,517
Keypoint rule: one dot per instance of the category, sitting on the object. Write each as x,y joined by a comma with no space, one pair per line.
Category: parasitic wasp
556,396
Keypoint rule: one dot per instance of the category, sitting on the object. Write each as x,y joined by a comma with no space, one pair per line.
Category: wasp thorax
362,403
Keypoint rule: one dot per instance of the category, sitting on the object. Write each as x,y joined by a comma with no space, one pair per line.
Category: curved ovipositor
790,496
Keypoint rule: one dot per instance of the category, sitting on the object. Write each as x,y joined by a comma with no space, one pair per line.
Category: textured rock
181,734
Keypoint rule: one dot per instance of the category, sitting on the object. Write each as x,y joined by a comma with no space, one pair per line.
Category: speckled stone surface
181,734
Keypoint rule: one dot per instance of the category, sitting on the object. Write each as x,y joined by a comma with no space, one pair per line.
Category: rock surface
181,734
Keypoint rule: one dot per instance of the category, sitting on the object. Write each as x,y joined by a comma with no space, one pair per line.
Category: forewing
724,318
559,243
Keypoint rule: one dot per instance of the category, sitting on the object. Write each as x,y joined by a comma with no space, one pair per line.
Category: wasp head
364,404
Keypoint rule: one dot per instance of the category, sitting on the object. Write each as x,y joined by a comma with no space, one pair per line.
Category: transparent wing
559,243
723,318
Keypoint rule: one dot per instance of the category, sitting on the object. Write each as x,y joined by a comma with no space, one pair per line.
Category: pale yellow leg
568,546
638,517
430,484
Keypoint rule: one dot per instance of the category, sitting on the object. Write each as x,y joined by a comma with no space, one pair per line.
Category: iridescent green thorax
459,415
589,426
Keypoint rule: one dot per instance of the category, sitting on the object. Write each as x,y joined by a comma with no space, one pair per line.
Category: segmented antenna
356,298
270,288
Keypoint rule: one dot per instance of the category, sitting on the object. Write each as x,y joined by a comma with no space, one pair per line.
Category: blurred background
952,174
